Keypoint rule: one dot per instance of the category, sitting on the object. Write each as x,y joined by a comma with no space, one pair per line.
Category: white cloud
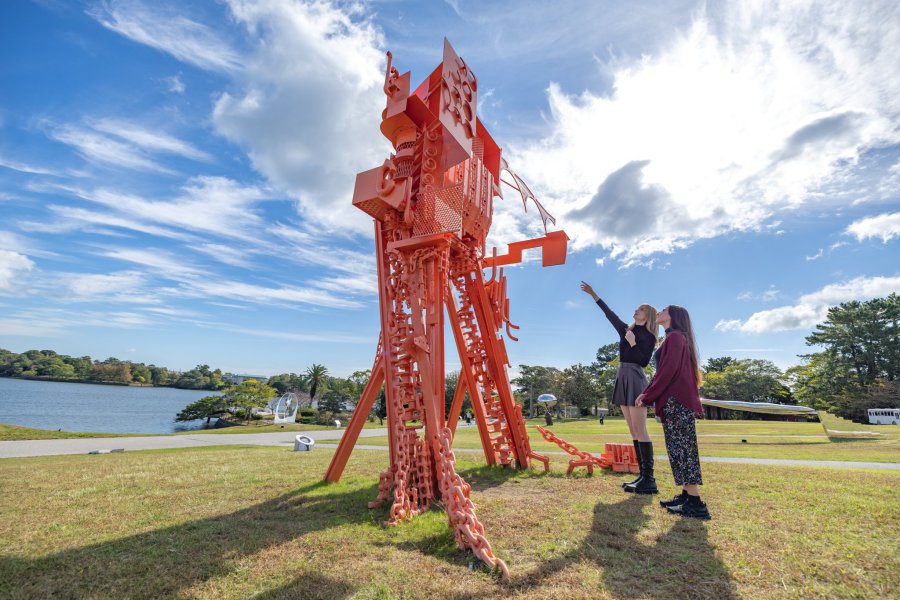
885,226
175,84
206,205
149,140
817,255
746,114
168,30
11,265
308,103
112,287
767,296
24,168
812,308
124,144
97,147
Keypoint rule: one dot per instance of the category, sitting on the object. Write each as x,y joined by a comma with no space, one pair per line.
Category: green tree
159,375
861,349
333,401
249,394
534,381
717,365
288,382
749,380
579,388
204,408
315,376
141,373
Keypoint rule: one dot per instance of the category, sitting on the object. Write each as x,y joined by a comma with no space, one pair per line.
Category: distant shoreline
92,382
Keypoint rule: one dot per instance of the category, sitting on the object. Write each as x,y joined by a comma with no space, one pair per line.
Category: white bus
884,416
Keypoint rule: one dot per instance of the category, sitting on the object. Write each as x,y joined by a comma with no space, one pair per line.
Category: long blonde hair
651,324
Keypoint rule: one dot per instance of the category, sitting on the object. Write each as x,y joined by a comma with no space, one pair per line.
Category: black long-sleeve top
644,344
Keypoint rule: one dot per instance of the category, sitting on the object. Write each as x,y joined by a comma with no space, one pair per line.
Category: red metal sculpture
432,202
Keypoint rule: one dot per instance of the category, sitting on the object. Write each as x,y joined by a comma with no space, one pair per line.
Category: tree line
856,368
47,364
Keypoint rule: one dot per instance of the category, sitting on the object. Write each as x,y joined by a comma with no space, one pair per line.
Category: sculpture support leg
458,397
360,414
496,359
467,371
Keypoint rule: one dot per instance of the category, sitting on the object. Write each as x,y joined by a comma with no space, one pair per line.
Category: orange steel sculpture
432,202
618,457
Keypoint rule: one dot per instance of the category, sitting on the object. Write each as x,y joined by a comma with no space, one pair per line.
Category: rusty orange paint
432,202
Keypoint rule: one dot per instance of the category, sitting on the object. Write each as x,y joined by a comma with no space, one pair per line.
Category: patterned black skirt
681,443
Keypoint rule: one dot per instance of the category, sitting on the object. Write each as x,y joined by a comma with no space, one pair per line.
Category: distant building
231,377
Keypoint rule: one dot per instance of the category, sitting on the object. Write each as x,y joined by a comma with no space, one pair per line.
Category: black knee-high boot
637,453
647,484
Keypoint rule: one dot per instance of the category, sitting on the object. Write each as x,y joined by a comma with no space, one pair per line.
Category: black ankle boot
647,484
637,453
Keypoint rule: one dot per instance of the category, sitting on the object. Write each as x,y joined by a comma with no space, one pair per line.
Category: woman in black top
636,344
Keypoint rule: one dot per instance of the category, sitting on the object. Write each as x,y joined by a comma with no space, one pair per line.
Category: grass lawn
17,432
264,426
764,439
241,522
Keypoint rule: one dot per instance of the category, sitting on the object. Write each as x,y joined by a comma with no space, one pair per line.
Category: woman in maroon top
674,393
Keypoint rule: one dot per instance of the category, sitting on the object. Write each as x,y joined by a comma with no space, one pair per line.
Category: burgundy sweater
675,376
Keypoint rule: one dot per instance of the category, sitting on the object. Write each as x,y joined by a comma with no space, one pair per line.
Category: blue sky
175,177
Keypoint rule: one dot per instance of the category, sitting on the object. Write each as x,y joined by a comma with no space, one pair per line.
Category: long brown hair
681,321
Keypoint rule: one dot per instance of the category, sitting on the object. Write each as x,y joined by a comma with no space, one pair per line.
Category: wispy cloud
167,29
11,265
812,308
124,144
885,226
148,140
25,168
206,205
298,337
767,296
97,147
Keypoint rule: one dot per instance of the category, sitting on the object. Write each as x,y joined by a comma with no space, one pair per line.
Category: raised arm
618,324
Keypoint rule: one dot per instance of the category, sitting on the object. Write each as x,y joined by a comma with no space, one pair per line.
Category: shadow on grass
680,563
164,562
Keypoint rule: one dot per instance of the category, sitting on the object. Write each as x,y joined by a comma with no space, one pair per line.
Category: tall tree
579,388
861,354
717,365
315,376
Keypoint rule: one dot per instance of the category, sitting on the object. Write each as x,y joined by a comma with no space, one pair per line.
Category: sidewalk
786,462
25,448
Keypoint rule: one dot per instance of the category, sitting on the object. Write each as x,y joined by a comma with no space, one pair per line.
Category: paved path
23,448
717,459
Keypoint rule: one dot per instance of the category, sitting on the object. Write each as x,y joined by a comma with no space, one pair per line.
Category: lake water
88,407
